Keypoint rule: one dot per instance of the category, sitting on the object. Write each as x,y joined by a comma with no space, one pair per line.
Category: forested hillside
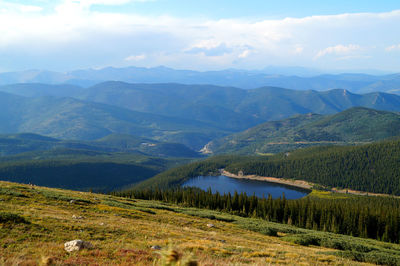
232,108
83,169
101,165
370,168
353,126
192,115
69,118
13,144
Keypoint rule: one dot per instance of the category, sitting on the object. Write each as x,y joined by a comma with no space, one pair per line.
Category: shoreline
303,184
293,183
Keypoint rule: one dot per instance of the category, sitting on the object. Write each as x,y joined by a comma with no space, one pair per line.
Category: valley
170,150
187,133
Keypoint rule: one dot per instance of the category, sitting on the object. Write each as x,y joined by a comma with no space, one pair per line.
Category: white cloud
135,57
78,36
393,47
109,2
88,3
6,7
244,54
209,48
298,50
339,49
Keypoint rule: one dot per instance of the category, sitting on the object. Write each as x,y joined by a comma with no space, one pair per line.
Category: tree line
368,217
370,168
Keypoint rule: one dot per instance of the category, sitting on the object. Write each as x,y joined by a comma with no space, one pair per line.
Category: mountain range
291,78
191,115
70,118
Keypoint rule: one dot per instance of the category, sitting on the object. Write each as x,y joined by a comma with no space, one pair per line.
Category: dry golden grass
123,231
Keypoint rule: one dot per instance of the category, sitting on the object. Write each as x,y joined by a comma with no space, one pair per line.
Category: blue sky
217,9
256,9
203,35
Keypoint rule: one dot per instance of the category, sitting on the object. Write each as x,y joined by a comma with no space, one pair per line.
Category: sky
64,35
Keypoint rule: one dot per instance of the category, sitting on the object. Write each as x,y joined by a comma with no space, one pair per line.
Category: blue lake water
224,184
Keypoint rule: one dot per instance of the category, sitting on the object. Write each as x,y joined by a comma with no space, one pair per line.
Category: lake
224,184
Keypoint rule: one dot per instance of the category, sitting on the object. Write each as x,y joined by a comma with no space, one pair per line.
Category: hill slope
40,89
232,108
228,108
188,114
354,125
211,104
69,118
36,222
27,142
101,165
370,168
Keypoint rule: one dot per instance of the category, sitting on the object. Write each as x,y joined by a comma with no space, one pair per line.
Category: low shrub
6,217
269,232
304,239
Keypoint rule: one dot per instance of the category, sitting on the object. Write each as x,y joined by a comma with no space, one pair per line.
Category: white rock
76,245
210,225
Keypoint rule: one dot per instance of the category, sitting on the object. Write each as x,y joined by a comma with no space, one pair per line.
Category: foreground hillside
35,222
353,126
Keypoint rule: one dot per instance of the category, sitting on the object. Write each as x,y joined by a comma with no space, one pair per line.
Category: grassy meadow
35,222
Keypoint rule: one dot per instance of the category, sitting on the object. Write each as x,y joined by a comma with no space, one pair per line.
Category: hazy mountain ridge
231,108
41,89
207,103
69,118
355,125
289,77
189,114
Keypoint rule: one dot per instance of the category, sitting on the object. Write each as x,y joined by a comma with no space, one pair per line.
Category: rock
77,217
76,245
210,225
72,201
156,247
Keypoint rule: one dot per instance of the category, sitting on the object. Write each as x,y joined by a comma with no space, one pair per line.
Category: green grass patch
12,218
8,191
54,195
